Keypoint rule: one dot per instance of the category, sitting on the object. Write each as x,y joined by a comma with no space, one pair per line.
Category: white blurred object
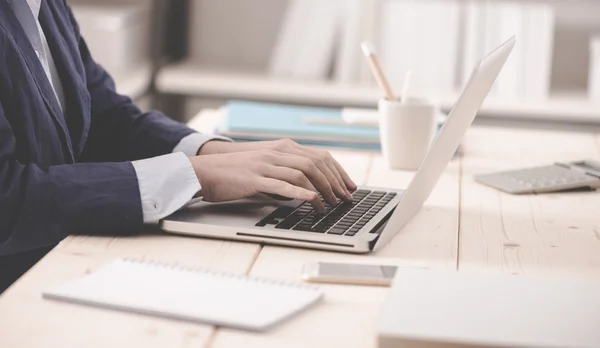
594,83
306,44
282,57
348,60
420,36
117,33
442,308
406,129
363,117
539,36
527,72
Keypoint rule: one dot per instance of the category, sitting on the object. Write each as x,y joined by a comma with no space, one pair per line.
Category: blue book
314,126
308,125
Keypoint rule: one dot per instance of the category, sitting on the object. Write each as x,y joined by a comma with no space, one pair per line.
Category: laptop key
365,192
285,225
303,227
320,228
337,231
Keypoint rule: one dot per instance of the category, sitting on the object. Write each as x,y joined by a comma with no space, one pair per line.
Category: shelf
190,79
135,83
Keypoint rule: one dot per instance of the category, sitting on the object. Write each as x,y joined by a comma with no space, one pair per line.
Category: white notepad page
187,294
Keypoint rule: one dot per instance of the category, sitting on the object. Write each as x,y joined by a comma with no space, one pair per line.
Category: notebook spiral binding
176,266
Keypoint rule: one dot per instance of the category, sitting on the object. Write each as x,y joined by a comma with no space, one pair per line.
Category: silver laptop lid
443,148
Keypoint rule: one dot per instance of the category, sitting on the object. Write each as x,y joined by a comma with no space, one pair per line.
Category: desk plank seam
458,222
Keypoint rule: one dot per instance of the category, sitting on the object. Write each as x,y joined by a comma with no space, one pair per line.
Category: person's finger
285,189
312,172
334,170
296,178
334,181
325,157
345,177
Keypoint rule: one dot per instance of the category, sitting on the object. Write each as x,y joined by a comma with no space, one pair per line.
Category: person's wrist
213,147
199,164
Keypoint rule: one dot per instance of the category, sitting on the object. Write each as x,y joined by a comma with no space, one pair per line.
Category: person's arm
39,206
122,132
157,145
119,130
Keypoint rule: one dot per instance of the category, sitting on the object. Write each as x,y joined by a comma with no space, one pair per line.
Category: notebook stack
346,128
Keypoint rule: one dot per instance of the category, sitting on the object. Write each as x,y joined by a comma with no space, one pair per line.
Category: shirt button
37,53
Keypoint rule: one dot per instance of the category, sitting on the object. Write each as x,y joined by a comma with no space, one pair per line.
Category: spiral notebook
187,294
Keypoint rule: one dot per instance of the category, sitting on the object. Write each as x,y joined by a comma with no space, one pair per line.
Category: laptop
373,217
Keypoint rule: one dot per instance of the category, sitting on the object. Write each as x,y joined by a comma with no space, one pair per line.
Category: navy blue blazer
68,173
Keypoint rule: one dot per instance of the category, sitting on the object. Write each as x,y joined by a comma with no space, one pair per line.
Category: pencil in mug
373,61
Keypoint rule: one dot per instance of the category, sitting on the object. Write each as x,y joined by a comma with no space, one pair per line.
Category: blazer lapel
76,94
11,23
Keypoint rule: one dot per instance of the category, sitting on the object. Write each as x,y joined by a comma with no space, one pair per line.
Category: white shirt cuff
190,144
166,184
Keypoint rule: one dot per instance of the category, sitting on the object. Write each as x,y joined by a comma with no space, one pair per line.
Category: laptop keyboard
345,218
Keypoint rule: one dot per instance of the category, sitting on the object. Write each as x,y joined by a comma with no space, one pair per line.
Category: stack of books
252,121
348,128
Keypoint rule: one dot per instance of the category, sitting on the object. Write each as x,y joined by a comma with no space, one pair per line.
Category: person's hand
333,171
229,171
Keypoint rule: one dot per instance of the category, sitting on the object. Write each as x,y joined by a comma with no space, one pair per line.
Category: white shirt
166,182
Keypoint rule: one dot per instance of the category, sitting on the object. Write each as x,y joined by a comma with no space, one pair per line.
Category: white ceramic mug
406,131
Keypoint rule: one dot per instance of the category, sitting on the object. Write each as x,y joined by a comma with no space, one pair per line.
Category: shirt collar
34,5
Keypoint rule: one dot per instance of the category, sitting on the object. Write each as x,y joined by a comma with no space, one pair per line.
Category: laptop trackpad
243,213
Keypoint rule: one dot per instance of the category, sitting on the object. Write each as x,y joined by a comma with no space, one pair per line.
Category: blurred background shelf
191,79
201,53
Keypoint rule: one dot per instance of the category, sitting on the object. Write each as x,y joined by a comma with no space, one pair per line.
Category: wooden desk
463,226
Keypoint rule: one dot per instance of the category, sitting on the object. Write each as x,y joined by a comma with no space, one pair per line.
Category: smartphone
349,273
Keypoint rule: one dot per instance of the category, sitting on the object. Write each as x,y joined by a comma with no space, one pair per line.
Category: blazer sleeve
39,206
120,131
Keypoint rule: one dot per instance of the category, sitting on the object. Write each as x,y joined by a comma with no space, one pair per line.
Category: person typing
77,157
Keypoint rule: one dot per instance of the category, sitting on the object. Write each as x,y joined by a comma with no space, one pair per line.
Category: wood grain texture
430,240
28,320
462,224
527,234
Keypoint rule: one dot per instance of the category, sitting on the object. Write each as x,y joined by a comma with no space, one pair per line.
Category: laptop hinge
379,228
